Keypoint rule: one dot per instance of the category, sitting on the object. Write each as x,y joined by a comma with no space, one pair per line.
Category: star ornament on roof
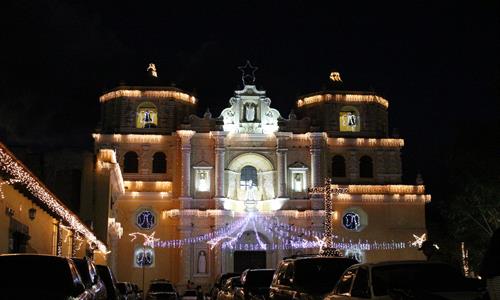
248,73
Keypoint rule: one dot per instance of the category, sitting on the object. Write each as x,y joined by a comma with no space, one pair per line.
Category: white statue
351,119
203,182
202,262
297,182
249,112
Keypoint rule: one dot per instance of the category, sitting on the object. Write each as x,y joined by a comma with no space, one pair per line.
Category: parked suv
406,280
254,284
33,276
90,278
307,277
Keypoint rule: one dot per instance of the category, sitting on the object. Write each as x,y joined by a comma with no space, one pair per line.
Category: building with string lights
196,196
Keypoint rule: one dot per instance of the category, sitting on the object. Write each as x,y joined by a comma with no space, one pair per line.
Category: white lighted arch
258,161
249,196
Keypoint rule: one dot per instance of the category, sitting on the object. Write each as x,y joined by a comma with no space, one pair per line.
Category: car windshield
259,278
190,293
422,277
320,274
53,275
160,287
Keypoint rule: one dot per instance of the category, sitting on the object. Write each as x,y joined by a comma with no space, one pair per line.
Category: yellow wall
41,229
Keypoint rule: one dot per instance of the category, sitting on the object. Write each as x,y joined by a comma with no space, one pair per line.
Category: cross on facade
327,191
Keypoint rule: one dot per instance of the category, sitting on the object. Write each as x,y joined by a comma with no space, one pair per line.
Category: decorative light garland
364,142
343,98
7,182
162,94
10,165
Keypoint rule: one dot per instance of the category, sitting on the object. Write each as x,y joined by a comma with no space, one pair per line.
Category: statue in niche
268,186
202,262
351,119
297,182
203,182
147,117
249,112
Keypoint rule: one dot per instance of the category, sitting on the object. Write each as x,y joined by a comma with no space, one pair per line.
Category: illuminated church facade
188,184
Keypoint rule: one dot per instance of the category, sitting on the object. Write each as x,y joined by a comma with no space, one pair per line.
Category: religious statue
297,182
351,119
249,112
203,182
202,262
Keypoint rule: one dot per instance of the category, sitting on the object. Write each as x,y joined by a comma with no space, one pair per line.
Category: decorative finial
335,77
248,73
152,70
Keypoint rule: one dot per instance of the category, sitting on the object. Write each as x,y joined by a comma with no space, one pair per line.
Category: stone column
316,139
282,162
219,137
186,136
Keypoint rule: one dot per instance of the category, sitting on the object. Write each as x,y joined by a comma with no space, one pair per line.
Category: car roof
316,257
398,262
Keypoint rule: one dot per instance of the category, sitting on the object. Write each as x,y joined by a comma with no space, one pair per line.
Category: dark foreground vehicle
254,284
161,289
307,277
32,276
91,278
109,280
220,280
409,280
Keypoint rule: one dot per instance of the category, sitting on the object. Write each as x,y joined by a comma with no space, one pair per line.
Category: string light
15,169
343,98
7,182
363,142
161,94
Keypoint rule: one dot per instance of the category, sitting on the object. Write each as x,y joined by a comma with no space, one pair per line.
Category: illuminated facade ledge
364,142
13,168
389,189
343,98
130,138
157,94
381,198
148,186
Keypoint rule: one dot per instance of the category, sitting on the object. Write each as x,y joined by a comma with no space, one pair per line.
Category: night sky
436,63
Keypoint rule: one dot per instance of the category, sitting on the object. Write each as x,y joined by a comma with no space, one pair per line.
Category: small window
159,163
366,167
147,115
338,166
349,119
344,284
360,287
131,162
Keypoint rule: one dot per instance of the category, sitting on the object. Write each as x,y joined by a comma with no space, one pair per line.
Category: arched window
248,176
131,162
349,119
338,166
366,167
145,219
159,162
147,115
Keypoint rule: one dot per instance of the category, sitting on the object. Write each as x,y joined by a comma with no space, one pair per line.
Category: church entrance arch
251,178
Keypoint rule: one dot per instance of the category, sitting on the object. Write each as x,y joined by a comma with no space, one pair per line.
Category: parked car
405,280
90,278
189,295
254,284
126,290
34,276
227,291
220,280
161,289
309,277
109,280
138,292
